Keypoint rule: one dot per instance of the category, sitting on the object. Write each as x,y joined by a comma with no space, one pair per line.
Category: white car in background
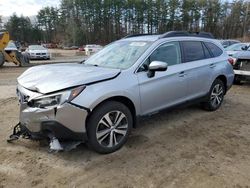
92,48
235,48
38,52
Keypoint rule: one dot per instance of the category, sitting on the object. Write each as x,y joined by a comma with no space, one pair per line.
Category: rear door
198,68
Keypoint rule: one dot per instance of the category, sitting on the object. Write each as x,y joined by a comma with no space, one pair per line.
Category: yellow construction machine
10,55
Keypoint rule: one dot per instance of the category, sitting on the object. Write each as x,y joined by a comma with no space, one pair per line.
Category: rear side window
193,51
215,50
206,51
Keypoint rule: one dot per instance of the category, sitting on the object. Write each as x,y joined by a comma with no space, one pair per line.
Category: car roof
153,38
167,35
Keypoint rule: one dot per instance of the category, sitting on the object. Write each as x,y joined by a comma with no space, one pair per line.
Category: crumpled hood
242,55
50,78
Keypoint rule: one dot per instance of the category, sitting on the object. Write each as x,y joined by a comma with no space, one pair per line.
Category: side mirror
156,66
244,48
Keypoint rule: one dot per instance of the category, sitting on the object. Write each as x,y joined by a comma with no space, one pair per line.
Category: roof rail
136,35
186,34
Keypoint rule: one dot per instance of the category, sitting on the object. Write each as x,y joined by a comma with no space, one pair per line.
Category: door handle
212,65
182,74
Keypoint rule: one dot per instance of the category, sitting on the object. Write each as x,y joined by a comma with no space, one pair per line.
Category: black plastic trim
60,131
180,105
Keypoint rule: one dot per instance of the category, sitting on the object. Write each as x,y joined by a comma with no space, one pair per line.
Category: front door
166,88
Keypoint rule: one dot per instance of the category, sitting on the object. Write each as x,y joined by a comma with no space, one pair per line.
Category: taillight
231,61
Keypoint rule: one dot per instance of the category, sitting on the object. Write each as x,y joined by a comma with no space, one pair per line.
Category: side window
215,50
169,53
206,52
193,51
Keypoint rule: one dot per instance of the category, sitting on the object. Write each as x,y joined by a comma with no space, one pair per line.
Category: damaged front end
51,116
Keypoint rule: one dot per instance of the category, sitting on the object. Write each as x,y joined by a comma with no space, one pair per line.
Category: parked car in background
92,48
229,42
74,47
241,66
49,45
66,47
235,48
81,48
101,99
11,46
37,52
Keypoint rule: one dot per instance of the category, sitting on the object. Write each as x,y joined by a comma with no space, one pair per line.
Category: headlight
47,102
54,100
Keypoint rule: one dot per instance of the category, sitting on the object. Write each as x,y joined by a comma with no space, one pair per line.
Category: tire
237,80
104,138
2,60
215,97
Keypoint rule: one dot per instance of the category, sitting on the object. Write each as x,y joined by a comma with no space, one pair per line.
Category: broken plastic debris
55,144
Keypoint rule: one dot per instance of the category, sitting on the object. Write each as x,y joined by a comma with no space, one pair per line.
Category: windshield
119,55
235,47
36,47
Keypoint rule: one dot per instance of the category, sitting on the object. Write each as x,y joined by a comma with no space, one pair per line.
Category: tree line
78,22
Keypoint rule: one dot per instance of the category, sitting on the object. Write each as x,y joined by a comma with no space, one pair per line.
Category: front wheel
215,97
109,126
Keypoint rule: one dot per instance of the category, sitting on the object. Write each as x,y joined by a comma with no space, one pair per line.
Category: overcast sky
24,7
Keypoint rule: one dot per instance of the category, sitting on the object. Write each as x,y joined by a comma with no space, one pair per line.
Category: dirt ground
185,147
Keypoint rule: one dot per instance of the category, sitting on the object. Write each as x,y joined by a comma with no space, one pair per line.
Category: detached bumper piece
19,131
54,144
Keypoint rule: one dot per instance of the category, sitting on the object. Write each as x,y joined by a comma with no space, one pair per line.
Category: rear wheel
109,127
215,97
2,60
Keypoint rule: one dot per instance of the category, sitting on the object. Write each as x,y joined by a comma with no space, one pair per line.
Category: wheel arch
122,99
223,78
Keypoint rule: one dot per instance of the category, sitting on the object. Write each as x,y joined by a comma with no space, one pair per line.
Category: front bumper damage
63,126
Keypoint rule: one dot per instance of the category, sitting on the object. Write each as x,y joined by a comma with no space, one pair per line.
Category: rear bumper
241,72
242,75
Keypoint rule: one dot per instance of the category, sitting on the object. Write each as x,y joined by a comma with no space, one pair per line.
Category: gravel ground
185,147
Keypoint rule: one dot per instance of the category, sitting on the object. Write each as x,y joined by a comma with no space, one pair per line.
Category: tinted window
193,51
206,52
169,53
215,50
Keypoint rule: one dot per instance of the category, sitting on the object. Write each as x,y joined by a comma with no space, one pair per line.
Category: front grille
38,53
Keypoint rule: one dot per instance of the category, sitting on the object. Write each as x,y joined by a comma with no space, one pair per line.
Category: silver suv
99,101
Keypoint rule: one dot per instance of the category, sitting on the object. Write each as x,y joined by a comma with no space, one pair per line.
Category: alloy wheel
111,129
217,95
